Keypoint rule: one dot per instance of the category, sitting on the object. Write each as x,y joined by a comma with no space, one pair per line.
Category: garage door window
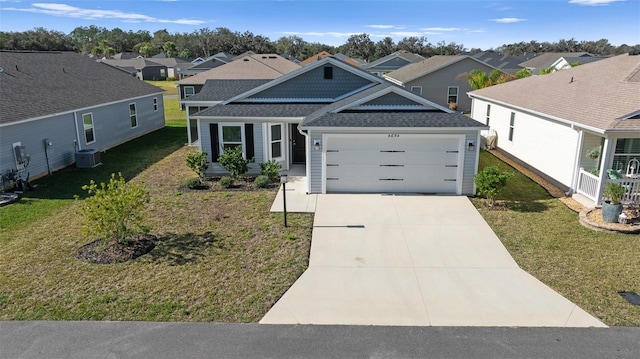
276,141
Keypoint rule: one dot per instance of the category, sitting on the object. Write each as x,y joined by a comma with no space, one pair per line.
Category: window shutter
248,134
215,142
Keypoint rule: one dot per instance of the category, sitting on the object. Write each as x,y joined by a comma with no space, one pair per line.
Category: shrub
226,181
271,169
614,192
490,181
262,181
193,182
198,163
233,161
114,211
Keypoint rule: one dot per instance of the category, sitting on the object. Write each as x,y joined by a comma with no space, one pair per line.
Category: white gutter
77,146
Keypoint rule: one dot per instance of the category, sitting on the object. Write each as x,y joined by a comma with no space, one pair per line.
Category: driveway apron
417,261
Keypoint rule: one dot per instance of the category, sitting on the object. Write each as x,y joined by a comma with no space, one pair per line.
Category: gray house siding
112,123
312,84
470,165
391,99
215,167
153,73
435,85
315,159
60,130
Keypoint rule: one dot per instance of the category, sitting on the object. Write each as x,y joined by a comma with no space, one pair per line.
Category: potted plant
611,207
594,153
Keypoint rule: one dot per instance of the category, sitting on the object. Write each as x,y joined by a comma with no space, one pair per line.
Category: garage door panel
405,158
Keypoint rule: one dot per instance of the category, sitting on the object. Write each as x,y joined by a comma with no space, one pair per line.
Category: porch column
605,163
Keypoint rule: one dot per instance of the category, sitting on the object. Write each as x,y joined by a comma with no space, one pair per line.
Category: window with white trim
512,123
231,136
416,90
87,125
189,91
155,104
627,149
488,114
133,115
276,141
452,94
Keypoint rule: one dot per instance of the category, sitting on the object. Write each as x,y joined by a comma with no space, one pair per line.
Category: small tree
271,169
114,211
198,163
490,181
233,161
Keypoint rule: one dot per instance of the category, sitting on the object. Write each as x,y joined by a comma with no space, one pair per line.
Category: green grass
544,237
170,87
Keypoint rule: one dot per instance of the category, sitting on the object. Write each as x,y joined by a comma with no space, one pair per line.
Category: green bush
271,169
193,182
226,181
262,181
233,161
490,181
115,211
614,192
198,163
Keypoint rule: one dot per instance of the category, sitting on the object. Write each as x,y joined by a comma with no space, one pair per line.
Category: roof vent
245,59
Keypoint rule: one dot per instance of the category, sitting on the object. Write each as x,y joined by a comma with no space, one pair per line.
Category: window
452,94
132,115
512,123
155,104
328,73
416,90
189,91
626,150
488,114
276,141
163,73
231,136
87,124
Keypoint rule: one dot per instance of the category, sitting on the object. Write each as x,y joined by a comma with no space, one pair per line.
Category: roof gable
38,84
394,61
433,64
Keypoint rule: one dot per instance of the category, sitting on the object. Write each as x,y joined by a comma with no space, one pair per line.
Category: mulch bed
592,218
95,252
241,184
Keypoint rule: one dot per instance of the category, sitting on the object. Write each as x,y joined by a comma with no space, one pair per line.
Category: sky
472,23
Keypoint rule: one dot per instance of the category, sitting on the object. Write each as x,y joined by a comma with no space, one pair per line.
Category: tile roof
597,95
220,90
35,84
251,67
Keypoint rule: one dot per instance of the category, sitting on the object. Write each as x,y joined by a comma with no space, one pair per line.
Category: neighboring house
200,65
545,60
440,79
55,104
249,67
392,62
551,122
353,132
173,64
505,63
564,63
145,68
322,54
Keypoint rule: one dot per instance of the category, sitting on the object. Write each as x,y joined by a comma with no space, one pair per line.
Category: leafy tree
415,44
359,46
523,73
115,211
478,79
198,163
234,162
384,47
170,49
490,181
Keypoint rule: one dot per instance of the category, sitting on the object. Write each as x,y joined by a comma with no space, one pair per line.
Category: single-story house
353,131
172,64
56,104
507,64
199,64
545,60
573,126
342,57
146,69
440,79
392,62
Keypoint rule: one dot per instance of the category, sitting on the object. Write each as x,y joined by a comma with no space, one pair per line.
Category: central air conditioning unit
88,158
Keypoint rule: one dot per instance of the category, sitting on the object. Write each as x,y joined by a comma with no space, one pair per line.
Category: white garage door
409,163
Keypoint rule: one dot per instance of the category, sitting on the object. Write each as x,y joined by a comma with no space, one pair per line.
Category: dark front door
297,146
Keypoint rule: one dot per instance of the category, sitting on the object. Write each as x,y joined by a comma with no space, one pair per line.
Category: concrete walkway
415,261
298,201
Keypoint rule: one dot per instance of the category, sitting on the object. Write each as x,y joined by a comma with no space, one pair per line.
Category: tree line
100,41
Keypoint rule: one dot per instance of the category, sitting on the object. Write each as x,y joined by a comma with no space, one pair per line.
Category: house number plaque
393,135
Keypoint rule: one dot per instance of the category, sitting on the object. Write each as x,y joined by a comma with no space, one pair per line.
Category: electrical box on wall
20,155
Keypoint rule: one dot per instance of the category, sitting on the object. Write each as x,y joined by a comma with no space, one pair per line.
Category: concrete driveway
417,261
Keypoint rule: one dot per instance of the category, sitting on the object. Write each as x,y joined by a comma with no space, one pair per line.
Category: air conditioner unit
88,158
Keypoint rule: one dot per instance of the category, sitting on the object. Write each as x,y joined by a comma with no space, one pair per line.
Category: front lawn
544,237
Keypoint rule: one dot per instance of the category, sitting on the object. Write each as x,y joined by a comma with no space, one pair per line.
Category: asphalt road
212,340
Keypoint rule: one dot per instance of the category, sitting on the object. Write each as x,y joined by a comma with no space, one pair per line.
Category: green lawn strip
546,240
170,87
220,256
174,117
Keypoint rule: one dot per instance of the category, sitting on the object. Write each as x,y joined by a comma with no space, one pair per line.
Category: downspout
576,161
76,142
307,165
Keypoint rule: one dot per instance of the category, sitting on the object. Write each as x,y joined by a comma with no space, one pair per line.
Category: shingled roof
37,84
601,95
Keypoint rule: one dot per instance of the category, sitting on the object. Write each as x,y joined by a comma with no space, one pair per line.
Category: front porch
590,186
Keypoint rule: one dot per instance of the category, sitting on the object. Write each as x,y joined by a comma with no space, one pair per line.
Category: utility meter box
88,158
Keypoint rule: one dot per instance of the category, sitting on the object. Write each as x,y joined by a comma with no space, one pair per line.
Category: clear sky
473,23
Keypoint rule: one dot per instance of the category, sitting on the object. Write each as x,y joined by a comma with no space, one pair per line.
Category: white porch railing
588,184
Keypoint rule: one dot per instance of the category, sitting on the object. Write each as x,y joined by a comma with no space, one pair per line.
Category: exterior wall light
316,145
471,147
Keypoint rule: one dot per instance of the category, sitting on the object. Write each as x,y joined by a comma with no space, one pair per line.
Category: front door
298,146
